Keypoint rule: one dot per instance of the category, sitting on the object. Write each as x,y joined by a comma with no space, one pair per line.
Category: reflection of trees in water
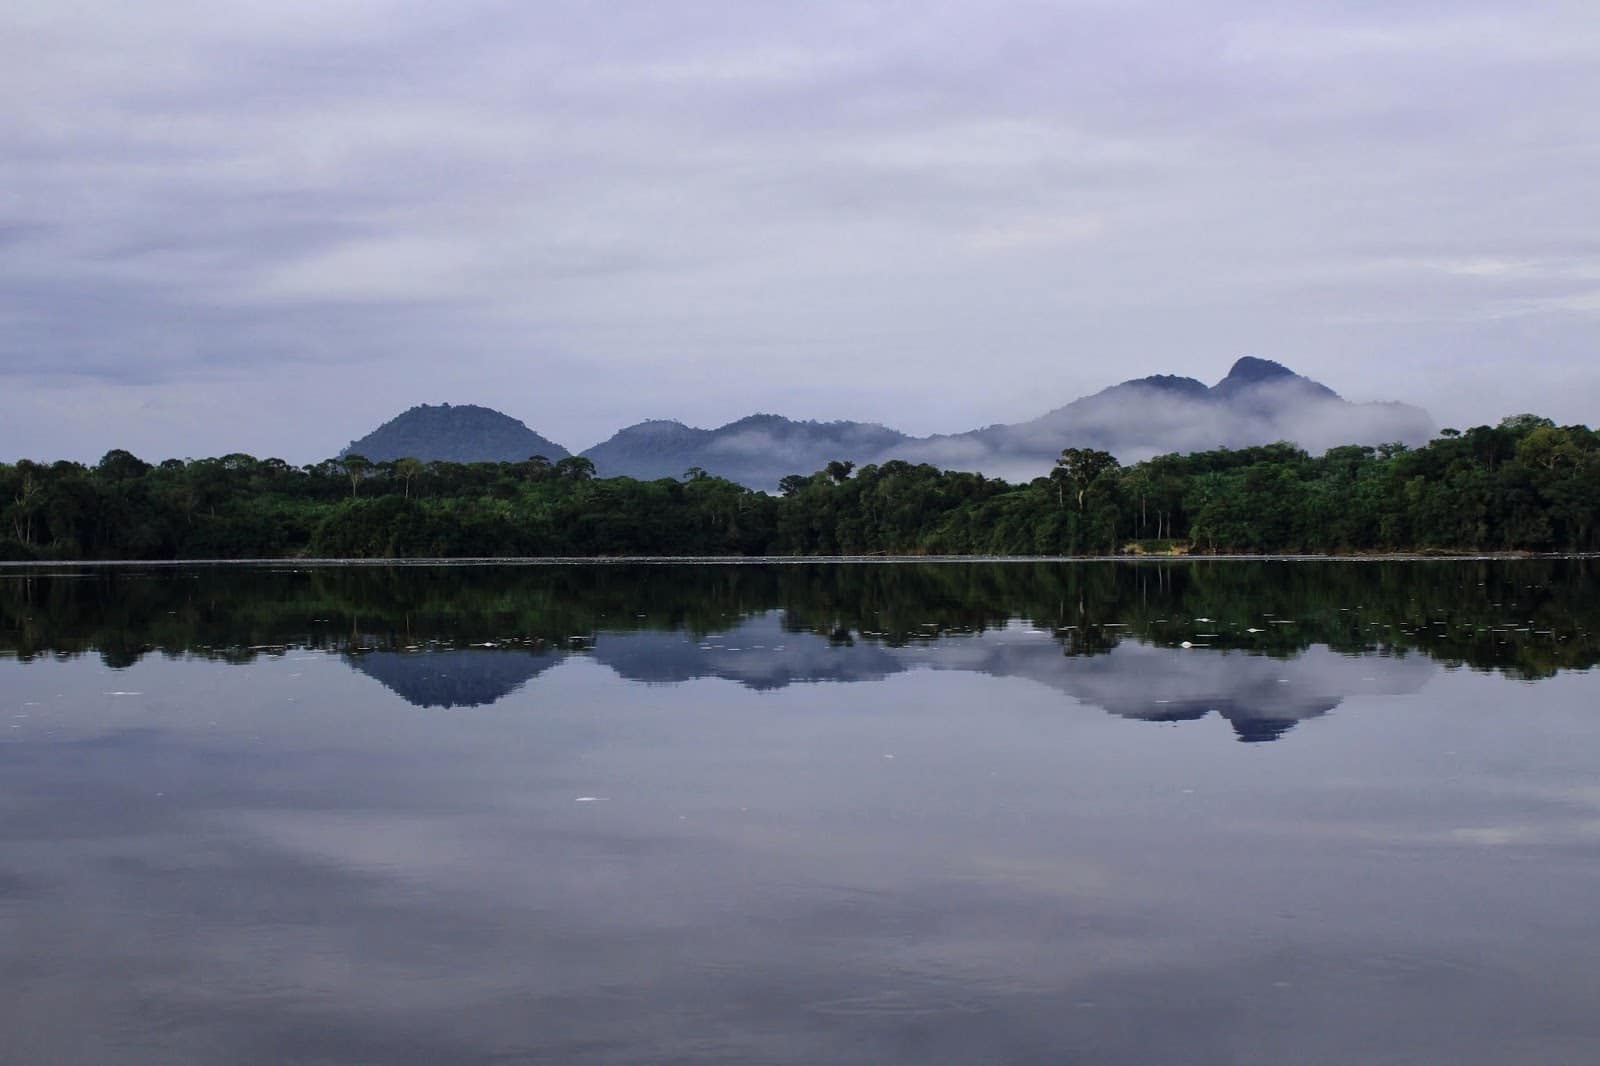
1528,618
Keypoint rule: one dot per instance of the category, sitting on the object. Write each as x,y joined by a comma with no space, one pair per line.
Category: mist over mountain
756,450
464,433
1258,402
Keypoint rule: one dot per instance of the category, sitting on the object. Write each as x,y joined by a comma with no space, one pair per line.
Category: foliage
1524,485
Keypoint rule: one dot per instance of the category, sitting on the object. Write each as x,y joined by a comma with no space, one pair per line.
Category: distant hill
1258,402
461,434
756,450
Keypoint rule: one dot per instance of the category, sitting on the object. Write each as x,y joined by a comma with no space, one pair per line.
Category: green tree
120,465
27,489
355,468
1081,466
407,470
791,484
574,468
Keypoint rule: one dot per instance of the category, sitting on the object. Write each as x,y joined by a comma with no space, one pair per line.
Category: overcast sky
269,226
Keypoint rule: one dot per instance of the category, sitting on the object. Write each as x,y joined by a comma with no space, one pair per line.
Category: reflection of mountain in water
758,654
1261,697
457,678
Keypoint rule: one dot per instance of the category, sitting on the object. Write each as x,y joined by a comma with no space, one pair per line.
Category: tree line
1525,484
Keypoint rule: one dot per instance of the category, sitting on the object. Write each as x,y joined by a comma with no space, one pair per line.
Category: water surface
1019,813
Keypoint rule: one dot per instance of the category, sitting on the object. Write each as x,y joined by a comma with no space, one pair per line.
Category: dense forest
1523,485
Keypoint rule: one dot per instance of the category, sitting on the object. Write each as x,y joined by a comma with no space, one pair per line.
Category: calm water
950,813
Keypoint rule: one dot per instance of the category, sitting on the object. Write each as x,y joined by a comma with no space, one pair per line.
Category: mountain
757,450
461,434
1258,402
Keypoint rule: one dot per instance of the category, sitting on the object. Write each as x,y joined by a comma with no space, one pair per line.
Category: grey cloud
977,212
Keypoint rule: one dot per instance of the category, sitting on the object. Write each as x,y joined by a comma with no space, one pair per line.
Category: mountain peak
1250,374
760,418
1252,371
1173,383
657,425
460,433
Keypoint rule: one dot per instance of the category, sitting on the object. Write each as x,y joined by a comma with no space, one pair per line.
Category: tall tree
1082,466
356,467
407,470
29,486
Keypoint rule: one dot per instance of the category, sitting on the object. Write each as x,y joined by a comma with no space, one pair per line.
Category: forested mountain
464,433
1258,402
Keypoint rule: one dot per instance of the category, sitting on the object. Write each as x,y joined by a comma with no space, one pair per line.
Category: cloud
381,270
928,218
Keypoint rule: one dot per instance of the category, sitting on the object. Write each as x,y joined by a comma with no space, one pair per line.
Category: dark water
806,814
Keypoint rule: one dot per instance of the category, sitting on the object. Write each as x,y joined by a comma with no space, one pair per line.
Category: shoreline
784,560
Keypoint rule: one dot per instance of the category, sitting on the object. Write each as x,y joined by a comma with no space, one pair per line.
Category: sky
270,226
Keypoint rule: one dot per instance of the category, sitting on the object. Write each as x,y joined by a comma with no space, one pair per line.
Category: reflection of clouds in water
1004,889
468,919
758,654
1262,697
1501,816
